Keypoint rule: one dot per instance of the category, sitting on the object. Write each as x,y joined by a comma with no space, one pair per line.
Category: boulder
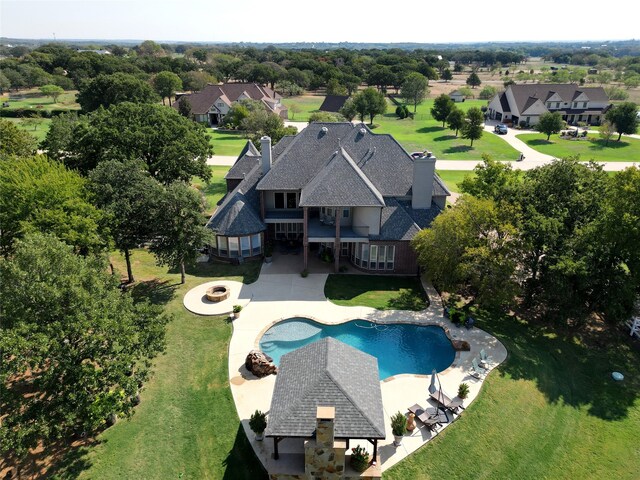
260,364
461,345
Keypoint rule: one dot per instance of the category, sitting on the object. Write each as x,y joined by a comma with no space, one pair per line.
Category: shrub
457,316
399,424
402,111
359,458
304,273
463,391
258,422
523,124
237,308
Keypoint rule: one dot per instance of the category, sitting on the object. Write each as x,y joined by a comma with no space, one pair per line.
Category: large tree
180,227
414,89
447,75
38,194
261,122
172,146
624,117
53,91
473,80
106,90
166,85
550,123
472,128
455,119
442,107
369,102
14,141
130,198
492,179
75,349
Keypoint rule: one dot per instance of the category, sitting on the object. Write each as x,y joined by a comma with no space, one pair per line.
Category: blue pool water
399,348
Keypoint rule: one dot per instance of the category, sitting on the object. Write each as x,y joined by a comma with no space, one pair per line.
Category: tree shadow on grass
429,129
538,142
571,368
241,462
159,292
443,138
600,145
249,270
458,149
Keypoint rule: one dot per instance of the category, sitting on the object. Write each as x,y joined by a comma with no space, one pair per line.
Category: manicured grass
40,131
381,292
186,425
551,411
33,99
626,150
307,103
425,133
453,178
226,142
215,189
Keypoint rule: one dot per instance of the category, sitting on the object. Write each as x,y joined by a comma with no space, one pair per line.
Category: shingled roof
333,103
526,94
202,101
249,157
327,373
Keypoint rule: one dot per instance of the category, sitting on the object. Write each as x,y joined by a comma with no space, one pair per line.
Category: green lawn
186,425
383,293
226,142
215,189
33,99
39,132
551,411
307,103
627,150
453,178
424,133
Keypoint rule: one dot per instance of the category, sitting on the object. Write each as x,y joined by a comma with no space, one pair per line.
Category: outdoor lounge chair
431,417
476,370
484,359
441,397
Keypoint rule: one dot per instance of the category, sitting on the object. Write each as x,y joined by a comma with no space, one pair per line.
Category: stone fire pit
217,293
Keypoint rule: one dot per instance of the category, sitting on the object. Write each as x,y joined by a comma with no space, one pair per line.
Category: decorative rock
461,345
260,364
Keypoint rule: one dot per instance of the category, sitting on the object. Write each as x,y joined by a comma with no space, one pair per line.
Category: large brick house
333,187
525,103
213,102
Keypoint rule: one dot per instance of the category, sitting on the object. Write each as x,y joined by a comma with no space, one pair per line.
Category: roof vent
324,129
363,130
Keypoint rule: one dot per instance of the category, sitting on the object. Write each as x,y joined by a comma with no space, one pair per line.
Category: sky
425,21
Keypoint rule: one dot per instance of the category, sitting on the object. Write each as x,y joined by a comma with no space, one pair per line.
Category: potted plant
236,310
398,427
359,459
304,273
268,253
463,391
258,424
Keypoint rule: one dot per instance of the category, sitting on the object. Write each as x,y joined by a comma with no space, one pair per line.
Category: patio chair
476,370
453,405
430,417
484,359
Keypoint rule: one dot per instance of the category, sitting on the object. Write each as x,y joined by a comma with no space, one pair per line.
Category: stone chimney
325,417
265,142
423,171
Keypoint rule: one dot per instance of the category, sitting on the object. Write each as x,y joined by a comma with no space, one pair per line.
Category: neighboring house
456,96
326,394
213,102
333,187
525,103
333,103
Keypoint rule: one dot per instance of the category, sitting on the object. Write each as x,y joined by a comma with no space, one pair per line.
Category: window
373,257
233,247
345,213
575,104
255,244
222,246
344,249
245,244
285,200
279,199
391,253
365,255
557,104
382,251
584,104
291,200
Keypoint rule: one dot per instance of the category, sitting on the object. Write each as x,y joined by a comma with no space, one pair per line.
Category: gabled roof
456,93
341,184
246,161
380,157
202,101
567,92
333,103
401,222
327,373
504,103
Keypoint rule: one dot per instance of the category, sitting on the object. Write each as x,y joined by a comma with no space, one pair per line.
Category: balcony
284,215
321,232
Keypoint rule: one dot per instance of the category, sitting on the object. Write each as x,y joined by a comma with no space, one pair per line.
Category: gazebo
327,393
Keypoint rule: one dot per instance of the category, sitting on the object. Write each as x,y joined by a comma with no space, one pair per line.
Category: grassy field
227,142
33,99
453,178
383,293
186,425
424,133
39,132
215,189
551,411
626,150
307,103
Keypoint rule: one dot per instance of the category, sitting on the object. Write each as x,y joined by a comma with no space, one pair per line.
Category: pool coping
277,297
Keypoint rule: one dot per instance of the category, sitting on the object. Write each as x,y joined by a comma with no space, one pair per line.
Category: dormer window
584,104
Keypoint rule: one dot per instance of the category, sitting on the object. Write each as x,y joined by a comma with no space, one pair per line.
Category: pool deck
275,297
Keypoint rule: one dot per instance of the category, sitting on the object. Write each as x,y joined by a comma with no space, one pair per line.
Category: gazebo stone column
324,457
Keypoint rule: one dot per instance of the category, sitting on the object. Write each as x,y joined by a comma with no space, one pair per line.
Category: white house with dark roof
334,187
525,103
213,102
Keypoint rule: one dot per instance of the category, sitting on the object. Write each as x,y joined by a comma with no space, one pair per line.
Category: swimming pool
399,348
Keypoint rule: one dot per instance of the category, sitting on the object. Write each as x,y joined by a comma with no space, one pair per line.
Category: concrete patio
275,297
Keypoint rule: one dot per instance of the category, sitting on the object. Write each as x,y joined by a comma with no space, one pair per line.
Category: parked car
500,128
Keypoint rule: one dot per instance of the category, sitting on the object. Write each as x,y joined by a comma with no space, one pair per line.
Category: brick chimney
265,143
422,189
